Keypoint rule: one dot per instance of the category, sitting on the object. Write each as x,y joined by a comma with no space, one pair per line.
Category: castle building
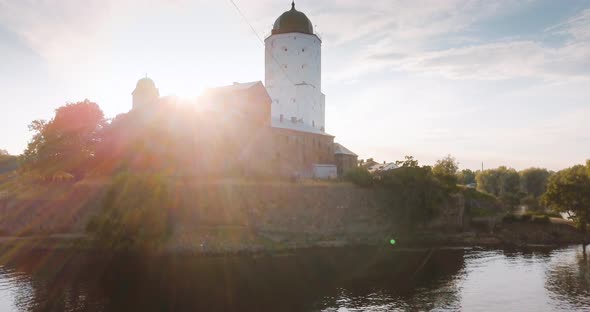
291,138
293,80
293,73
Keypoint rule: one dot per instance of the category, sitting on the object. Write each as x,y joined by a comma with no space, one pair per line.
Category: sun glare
189,93
223,156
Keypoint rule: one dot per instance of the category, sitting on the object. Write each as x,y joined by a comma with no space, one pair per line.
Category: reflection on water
348,279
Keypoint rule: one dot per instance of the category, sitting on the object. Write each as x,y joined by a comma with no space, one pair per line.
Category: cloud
507,58
577,27
403,21
384,28
56,30
404,24
512,58
502,60
70,33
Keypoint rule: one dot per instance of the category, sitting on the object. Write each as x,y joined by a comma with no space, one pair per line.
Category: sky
501,82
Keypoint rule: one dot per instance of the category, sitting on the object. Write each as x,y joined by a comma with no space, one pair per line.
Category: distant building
325,171
344,158
368,163
382,167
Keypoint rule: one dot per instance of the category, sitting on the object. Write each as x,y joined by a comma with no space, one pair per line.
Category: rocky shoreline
503,235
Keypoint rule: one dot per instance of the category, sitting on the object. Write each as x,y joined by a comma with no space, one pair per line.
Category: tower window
281,117
285,49
285,65
303,50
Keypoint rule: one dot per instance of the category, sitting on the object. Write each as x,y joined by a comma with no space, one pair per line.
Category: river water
344,279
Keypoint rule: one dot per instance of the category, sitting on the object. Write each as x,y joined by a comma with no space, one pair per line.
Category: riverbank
240,240
234,217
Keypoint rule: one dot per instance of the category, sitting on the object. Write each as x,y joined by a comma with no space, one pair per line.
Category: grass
537,218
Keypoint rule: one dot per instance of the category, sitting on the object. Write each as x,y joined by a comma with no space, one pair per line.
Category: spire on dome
293,5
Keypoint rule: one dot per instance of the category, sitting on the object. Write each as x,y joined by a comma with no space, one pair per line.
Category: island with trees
122,184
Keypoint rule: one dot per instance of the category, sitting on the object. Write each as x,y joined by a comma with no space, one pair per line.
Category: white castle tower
293,73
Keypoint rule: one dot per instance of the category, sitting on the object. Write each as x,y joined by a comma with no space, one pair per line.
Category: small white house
382,167
321,171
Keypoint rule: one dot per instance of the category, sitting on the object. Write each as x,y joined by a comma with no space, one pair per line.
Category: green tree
408,162
446,166
501,182
568,191
359,176
488,181
466,176
509,180
67,142
446,171
533,181
532,203
414,193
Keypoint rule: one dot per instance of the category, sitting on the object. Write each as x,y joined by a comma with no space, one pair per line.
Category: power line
247,22
260,39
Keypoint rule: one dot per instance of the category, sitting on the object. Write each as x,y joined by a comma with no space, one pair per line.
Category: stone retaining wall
316,208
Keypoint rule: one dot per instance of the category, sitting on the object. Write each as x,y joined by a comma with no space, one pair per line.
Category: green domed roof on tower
292,21
145,83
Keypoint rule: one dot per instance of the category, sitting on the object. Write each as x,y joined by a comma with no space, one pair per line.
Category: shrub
526,217
531,203
414,193
510,218
359,176
478,204
540,219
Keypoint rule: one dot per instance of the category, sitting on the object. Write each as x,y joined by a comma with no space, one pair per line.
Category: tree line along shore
139,169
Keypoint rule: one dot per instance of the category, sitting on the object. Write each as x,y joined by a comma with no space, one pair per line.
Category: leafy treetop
568,191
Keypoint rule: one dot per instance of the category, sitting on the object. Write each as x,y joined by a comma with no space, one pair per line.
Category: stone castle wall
315,208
